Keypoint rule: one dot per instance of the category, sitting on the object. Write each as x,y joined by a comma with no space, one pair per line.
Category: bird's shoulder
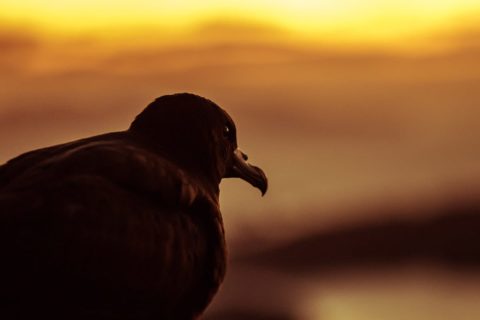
25,162
117,159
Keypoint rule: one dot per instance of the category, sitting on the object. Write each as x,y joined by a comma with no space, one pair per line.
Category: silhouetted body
124,225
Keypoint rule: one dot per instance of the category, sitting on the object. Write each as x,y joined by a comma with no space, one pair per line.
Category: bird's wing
109,219
22,163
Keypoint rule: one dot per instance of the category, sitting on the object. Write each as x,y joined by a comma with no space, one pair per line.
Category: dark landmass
450,237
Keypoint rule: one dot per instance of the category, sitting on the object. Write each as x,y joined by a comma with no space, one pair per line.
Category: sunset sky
341,64
346,22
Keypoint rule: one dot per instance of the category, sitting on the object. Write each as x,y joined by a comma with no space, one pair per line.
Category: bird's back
104,228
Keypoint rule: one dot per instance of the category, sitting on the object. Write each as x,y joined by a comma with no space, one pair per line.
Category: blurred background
364,114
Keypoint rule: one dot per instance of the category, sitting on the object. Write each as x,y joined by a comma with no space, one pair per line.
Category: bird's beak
240,168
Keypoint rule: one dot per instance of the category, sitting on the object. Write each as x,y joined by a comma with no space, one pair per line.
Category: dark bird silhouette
124,225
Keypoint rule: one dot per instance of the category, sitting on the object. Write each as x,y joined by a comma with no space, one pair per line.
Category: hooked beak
240,168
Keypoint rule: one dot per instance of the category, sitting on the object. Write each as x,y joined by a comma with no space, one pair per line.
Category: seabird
123,225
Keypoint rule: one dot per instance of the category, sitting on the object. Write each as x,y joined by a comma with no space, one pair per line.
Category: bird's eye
227,131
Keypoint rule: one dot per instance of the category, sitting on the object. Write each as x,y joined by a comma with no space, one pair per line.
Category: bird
124,225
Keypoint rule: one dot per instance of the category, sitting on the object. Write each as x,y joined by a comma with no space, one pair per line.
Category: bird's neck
198,164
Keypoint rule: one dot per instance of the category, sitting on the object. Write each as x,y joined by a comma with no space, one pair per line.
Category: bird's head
198,135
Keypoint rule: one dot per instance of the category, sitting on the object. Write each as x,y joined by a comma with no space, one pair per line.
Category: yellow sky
334,20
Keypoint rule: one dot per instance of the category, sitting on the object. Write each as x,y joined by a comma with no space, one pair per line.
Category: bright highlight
337,21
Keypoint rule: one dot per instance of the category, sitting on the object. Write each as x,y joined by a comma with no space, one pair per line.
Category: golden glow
337,21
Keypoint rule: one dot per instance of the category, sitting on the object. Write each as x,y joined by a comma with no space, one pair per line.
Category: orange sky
339,22
333,111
